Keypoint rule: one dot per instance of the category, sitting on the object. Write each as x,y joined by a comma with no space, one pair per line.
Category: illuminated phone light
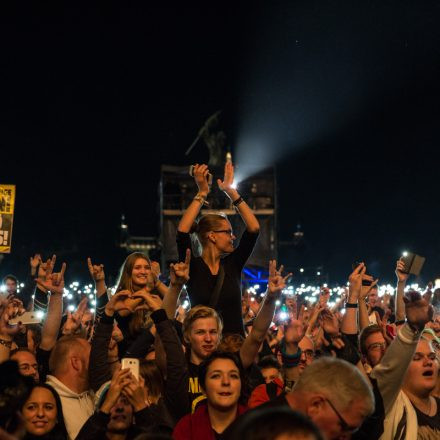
2,288
303,285
185,304
318,273
90,286
301,270
324,285
93,303
91,296
92,310
70,308
277,302
39,314
69,296
404,254
95,291
234,185
252,299
256,286
21,285
33,296
312,299
262,294
282,316
437,283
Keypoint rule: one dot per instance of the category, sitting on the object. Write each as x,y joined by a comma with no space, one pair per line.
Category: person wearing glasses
215,275
333,394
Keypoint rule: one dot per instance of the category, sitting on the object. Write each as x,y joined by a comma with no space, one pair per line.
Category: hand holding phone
132,364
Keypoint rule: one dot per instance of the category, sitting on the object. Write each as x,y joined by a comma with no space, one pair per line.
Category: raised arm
179,275
53,282
201,178
400,291
251,222
391,370
251,344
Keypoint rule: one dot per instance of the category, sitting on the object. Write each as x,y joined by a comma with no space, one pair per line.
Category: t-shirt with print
429,427
195,392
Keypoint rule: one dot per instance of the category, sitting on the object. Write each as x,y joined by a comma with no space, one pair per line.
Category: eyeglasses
344,425
226,231
310,354
377,346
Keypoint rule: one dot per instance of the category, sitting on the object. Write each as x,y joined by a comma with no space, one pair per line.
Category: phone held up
132,364
191,173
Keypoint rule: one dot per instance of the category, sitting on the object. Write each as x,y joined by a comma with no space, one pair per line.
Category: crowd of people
138,364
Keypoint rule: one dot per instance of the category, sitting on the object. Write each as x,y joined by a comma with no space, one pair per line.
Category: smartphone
27,318
413,263
191,173
132,364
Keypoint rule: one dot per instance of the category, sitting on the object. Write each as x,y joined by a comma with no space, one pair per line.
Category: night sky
342,97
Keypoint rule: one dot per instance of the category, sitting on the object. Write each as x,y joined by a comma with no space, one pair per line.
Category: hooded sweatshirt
77,408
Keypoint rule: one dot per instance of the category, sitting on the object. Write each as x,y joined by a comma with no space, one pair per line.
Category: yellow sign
7,204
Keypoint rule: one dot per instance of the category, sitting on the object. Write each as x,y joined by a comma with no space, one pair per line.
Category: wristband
351,306
201,199
400,322
238,201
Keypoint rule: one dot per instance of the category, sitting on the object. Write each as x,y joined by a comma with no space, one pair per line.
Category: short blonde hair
199,312
60,353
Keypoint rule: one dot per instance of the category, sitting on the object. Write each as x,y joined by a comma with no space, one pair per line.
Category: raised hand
149,301
117,302
53,282
400,274
134,391
179,272
276,282
35,261
330,323
418,311
155,268
96,271
201,178
228,179
47,265
120,379
73,321
324,296
9,312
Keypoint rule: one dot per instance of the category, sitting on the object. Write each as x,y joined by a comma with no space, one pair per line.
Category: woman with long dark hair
43,414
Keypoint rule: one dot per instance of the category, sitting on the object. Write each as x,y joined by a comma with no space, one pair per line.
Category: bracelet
6,343
351,306
400,322
201,199
238,201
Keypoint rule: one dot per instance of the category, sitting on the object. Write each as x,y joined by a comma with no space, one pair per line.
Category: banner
7,203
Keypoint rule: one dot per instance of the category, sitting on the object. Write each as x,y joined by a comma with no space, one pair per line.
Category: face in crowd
27,364
222,237
121,416
140,277
222,384
11,286
40,412
373,297
375,345
422,374
307,354
203,337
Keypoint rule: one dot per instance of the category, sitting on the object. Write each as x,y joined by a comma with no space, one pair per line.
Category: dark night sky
342,98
